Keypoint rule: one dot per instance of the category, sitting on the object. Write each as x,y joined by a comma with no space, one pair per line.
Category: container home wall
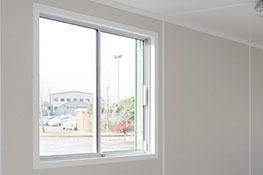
17,65
206,104
207,98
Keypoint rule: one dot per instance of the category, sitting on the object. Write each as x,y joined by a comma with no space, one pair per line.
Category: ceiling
235,19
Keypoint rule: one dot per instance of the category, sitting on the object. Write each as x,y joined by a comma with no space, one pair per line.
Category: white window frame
151,82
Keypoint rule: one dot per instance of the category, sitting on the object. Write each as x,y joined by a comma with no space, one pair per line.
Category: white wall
17,78
206,104
207,98
257,110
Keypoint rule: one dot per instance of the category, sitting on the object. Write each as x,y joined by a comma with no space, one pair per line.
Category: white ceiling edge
173,21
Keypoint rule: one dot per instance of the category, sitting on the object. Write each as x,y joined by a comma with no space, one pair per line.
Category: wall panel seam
250,113
163,97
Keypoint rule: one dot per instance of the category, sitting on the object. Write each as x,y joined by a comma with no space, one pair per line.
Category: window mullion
97,117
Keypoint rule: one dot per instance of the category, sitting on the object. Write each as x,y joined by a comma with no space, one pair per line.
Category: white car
70,123
53,121
61,119
56,121
47,119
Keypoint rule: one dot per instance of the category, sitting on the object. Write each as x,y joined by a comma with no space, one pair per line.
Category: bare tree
45,89
107,101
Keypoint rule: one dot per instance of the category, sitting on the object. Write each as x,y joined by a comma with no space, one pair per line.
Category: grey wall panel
17,76
206,104
257,110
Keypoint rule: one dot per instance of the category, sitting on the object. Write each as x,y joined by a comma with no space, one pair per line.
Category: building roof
81,109
74,104
68,92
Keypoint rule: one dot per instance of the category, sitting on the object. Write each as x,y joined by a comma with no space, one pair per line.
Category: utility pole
118,57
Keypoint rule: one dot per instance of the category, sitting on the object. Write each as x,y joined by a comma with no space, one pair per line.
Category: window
119,91
119,72
55,99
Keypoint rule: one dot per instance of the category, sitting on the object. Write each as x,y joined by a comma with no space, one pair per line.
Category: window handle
145,95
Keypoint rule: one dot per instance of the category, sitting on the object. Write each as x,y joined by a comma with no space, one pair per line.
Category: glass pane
67,86
118,93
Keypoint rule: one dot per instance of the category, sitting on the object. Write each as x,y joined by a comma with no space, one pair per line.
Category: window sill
109,158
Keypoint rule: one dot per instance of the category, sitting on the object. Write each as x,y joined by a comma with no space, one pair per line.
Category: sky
68,61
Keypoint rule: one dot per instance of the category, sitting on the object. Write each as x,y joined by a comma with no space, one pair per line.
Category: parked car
57,120
53,121
46,120
69,123
61,119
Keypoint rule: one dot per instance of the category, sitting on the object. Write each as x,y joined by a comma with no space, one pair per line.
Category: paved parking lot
80,144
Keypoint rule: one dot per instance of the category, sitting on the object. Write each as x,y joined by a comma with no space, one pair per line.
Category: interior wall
257,110
207,92
17,79
206,104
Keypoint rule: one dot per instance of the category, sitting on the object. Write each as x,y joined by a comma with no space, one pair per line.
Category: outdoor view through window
68,88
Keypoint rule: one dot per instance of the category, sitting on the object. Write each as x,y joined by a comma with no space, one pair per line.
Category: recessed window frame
150,150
